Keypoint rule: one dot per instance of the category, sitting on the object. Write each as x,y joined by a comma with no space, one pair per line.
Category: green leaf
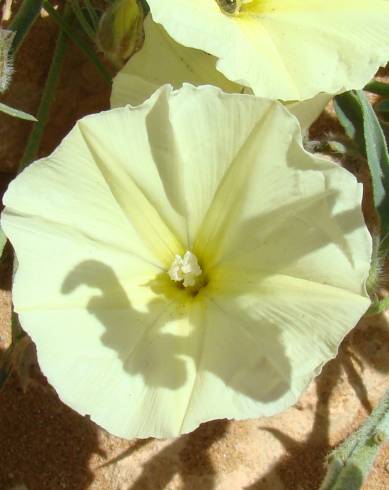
16,113
360,122
350,117
379,88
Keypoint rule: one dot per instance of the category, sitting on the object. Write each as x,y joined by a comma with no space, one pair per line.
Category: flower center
232,7
186,269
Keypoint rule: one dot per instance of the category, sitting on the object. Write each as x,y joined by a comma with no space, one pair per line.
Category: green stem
83,21
92,14
350,463
23,20
78,41
47,98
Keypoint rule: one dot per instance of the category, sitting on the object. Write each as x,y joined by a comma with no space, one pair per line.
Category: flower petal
95,225
253,360
190,137
133,370
144,73
306,221
307,111
161,60
287,50
73,218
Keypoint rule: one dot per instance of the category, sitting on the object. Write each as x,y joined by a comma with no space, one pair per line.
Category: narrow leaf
379,88
16,113
360,122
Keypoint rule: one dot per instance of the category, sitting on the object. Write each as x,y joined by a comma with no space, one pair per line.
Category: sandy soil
44,445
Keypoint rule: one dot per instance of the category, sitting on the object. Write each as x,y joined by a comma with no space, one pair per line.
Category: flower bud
120,31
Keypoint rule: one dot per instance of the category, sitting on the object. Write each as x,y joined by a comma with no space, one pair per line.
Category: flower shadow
125,326
309,454
147,345
44,443
144,346
277,239
187,456
365,345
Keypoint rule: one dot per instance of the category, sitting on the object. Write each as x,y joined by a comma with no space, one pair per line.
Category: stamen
185,269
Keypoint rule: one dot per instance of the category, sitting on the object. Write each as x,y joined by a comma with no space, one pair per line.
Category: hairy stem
350,463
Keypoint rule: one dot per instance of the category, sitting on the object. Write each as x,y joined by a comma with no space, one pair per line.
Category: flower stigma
186,269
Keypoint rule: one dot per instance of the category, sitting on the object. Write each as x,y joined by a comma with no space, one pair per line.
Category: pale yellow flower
162,60
186,260
285,49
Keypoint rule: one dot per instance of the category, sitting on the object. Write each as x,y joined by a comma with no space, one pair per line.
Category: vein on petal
70,227
211,225
161,233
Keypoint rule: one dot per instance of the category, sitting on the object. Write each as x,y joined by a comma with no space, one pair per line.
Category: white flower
277,233
161,60
285,49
